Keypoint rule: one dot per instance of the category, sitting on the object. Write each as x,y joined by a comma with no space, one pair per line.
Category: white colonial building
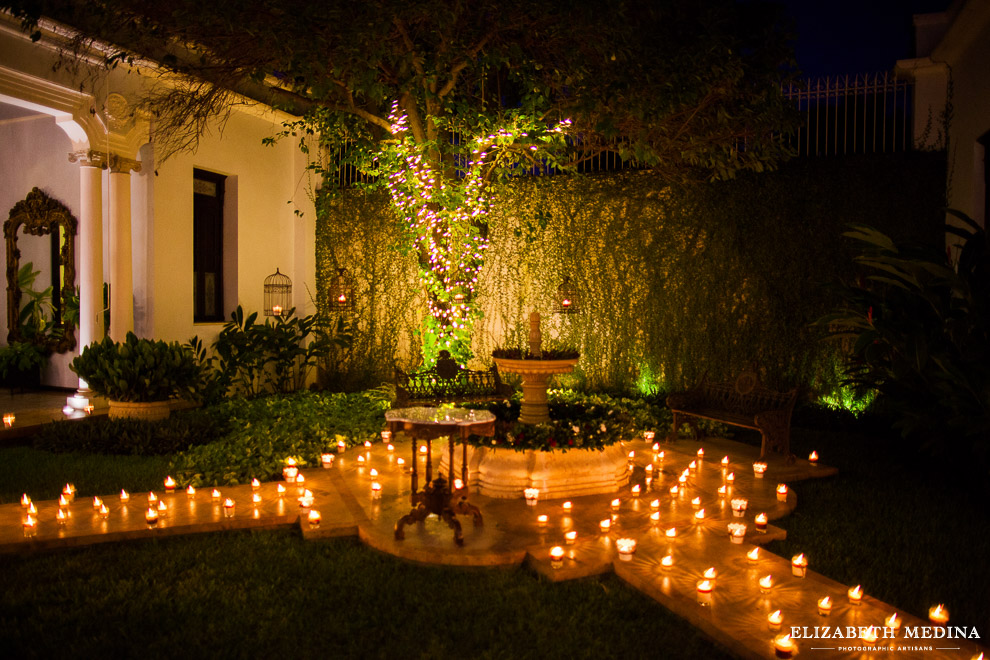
180,243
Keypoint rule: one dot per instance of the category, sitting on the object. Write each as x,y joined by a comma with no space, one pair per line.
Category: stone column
121,262
90,251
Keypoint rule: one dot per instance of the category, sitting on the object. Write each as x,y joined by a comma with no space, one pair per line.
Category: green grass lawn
910,529
913,530
268,594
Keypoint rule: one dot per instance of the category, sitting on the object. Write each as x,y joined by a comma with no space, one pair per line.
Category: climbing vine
675,280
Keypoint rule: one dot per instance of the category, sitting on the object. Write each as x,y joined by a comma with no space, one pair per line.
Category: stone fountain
536,373
507,473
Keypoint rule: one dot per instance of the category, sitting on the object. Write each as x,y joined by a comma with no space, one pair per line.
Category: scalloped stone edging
505,473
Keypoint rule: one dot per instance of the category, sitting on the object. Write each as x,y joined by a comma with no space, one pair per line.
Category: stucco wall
969,59
261,181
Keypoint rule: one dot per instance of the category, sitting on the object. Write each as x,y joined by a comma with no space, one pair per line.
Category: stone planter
149,411
504,473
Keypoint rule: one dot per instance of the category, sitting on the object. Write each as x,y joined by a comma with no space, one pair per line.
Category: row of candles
157,508
759,468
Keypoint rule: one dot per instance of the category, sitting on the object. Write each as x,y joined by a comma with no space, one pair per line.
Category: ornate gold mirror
48,231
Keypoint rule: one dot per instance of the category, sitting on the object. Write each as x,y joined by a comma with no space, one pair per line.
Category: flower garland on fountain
577,421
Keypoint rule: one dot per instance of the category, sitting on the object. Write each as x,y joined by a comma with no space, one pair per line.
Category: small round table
438,494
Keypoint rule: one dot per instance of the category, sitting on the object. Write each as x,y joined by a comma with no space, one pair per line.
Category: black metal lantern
278,294
568,300
341,292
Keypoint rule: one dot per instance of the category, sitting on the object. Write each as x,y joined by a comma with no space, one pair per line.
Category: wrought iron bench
447,382
746,403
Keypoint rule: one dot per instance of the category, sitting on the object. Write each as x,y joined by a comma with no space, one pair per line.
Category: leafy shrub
263,432
585,421
920,331
138,370
251,358
20,358
130,436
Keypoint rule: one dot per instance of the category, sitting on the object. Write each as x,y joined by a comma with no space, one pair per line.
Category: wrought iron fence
840,115
863,113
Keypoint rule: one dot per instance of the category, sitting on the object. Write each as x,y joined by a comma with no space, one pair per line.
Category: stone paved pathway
513,533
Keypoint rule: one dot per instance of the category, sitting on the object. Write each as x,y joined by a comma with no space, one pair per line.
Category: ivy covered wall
675,281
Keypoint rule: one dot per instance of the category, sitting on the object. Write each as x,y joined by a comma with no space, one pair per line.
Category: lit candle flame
725,460
671,533
556,553
754,554
938,614
667,561
699,514
766,582
626,546
169,483
124,496
255,484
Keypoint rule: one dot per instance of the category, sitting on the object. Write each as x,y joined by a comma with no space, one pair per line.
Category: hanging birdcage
568,299
278,294
341,292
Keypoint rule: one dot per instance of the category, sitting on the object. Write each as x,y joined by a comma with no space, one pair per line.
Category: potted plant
138,376
20,364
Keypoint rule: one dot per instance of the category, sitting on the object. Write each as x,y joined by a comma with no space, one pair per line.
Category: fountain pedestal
536,373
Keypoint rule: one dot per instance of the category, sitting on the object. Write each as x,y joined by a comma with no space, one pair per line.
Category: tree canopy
690,88
437,100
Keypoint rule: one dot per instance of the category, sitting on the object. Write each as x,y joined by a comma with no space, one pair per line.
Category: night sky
854,36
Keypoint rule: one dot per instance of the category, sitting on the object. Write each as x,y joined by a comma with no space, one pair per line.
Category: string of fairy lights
445,217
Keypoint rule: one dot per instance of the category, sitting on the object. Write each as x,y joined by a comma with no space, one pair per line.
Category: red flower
553,443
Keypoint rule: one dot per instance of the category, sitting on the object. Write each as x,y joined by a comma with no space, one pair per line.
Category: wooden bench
447,382
746,403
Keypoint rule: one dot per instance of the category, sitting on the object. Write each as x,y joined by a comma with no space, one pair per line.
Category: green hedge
101,435
676,281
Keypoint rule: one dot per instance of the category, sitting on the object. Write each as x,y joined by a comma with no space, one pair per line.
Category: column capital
89,158
93,158
121,165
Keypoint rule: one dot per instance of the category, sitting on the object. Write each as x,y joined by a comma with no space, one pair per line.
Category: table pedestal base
438,499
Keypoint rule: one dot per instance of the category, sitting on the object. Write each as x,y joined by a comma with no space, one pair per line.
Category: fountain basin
505,473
